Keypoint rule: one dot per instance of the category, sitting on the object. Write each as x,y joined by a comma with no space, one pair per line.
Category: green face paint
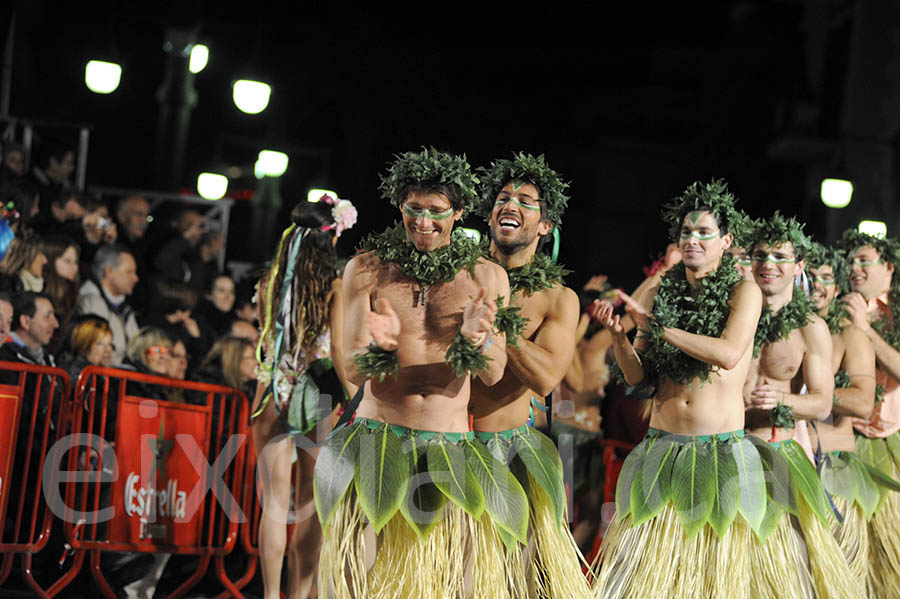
698,235
695,216
744,261
517,185
418,213
505,200
764,257
826,281
864,263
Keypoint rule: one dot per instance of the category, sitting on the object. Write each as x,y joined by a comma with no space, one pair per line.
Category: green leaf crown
713,196
425,168
888,247
778,229
529,169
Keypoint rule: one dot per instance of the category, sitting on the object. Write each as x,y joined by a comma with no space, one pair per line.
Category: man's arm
859,362
887,356
356,299
627,355
493,278
727,350
337,336
542,363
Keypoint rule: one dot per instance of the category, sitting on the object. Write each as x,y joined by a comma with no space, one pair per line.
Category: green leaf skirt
437,501
882,455
716,509
553,566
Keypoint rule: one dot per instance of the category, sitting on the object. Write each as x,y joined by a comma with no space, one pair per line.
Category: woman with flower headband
300,380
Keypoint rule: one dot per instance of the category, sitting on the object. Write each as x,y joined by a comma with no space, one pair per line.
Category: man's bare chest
534,308
782,360
428,309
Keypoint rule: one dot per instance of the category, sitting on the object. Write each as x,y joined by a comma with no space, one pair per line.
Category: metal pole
84,135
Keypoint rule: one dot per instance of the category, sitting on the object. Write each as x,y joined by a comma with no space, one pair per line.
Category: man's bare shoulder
487,271
563,298
853,336
816,330
746,294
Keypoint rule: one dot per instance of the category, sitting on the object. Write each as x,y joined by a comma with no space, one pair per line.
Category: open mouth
768,277
509,224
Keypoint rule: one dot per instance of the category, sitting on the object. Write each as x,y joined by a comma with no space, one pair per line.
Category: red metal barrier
614,453
33,415
171,472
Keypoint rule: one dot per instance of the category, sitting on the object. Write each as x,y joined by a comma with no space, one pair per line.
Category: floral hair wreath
343,212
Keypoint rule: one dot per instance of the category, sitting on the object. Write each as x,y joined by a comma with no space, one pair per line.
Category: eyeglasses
161,350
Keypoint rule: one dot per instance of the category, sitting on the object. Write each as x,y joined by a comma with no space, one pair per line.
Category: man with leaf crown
872,305
857,488
418,322
691,494
790,378
523,199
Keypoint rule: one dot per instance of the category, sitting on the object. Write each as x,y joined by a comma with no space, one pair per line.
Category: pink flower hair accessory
343,212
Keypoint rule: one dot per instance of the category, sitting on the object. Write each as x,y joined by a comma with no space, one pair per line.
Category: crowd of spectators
85,280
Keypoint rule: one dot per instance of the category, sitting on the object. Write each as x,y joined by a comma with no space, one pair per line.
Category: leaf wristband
465,357
377,362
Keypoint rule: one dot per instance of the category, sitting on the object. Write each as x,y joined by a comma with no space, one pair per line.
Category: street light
314,195
270,163
473,234
199,58
251,97
875,228
836,193
102,77
212,186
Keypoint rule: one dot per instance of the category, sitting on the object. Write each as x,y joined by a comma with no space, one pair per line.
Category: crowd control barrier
159,467
614,453
34,408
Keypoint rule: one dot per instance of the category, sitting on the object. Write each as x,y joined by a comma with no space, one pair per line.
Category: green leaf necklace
775,327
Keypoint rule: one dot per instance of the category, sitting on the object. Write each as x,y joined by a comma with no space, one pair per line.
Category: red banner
151,494
10,405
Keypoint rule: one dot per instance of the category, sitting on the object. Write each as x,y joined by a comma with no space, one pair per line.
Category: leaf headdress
713,196
820,254
425,168
778,229
529,169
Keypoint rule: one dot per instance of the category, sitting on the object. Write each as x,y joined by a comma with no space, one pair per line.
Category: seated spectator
173,259
171,311
61,276
231,362
178,360
90,344
95,228
245,299
244,330
216,305
113,276
133,218
22,268
60,211
148,352
14,157
33,326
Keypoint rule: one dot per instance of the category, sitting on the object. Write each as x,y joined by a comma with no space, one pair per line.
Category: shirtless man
404,315
870,307
697,408
792,349
523,199
853,363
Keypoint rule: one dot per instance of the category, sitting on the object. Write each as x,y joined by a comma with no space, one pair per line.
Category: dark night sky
630,106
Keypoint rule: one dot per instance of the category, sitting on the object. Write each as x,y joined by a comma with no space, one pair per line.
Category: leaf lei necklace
837,317
427,268
539,273
775,327
702,310
887,327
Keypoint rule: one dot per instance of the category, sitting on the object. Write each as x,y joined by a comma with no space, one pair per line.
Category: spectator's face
73,210
121,279
6,314
42,325
67,264
222,295
36,268
158,359
178,361
15,161
100,352
59,170
245,330
134,217
248,364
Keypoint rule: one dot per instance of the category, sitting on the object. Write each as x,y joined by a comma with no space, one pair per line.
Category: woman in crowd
300,300
61,276
232,362
217,303
148,353
172,311
90,344
22,269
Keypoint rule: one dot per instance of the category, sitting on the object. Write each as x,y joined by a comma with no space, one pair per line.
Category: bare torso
425,395
837,433
507,404
780,364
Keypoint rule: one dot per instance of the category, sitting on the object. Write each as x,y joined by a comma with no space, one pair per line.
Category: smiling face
869,274
100,352
428,219
742,262
67,264
774,268
222,293
825,288
701,242
516,220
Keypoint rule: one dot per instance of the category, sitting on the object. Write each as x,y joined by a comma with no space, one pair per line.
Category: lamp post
176,97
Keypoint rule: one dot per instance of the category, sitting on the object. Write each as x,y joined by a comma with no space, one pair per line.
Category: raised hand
602,312
764,396
857,309
384,325
596,283
478,318
638,313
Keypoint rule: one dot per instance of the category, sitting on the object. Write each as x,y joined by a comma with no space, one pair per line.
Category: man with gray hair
113,276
